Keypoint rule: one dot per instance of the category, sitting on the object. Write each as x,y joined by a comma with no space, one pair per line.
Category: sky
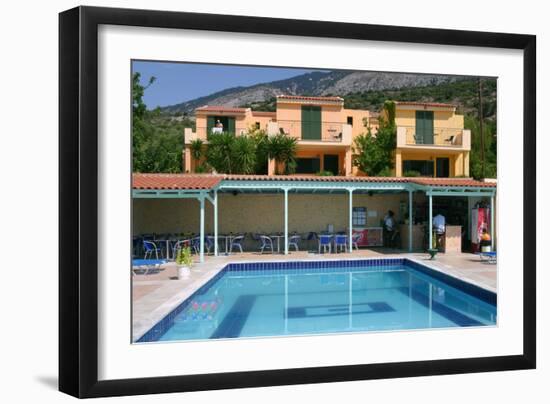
179,82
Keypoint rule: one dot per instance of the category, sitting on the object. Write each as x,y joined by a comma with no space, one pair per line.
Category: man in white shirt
389,229
439,223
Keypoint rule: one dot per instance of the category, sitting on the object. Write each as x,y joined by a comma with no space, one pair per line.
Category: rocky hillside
314,84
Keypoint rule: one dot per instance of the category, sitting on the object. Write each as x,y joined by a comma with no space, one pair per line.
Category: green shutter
305,122
210,123
424,127
311,122
419,132
315,123
428,127
231,125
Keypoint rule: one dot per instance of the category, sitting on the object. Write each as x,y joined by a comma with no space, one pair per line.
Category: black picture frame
78,196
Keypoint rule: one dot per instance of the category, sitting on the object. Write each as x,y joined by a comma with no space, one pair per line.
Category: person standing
389,228
438,224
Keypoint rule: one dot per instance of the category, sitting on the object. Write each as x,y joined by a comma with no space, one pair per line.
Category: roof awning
193,185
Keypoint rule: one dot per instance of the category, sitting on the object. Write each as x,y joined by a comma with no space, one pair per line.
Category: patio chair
237,242
340,242
151,248
325,242
178,246
488,256
146,266
294,240
450,139
196,244
267,242
355,240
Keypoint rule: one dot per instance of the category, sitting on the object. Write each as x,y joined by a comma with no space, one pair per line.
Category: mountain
338,82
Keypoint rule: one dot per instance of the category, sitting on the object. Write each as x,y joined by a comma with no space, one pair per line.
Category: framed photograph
251,201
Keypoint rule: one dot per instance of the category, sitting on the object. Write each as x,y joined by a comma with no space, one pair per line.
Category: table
278,237
227,238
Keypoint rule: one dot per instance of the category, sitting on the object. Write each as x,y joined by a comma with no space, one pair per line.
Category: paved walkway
155,295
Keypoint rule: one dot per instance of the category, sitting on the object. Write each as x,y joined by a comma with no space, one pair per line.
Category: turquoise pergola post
410,220
215,223
286,220
350,218
492,212
201,253
430,225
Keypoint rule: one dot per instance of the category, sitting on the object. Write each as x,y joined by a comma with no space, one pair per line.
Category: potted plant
184,261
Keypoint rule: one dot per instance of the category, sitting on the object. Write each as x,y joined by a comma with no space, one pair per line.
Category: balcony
336,133
201,133
443,138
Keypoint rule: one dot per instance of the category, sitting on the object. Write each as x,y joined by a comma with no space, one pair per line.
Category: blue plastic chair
237,242
325,242
340,242
294,240
151,248
267,242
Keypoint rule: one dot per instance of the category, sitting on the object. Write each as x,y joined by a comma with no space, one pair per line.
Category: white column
201,255
286,221
430,225
216,223
410,221
492,212
350,225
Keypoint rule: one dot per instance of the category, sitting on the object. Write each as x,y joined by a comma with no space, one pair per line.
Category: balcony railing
442,137
330,132
201,132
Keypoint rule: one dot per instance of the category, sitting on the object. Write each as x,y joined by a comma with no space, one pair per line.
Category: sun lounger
489,256
146,266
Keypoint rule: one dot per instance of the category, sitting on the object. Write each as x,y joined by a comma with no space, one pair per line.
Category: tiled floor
155,295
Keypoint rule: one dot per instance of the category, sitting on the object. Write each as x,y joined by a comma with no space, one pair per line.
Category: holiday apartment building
431,139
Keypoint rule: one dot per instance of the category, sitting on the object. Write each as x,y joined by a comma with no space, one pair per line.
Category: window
359,216
350,120
424,167
257,125
308,165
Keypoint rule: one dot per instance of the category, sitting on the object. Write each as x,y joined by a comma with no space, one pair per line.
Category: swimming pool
312,297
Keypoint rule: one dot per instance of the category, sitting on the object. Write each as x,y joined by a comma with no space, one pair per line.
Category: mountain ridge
318,83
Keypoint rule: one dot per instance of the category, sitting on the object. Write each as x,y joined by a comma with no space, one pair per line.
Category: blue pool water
275,299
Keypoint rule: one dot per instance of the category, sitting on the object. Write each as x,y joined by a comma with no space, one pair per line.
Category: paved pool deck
156,294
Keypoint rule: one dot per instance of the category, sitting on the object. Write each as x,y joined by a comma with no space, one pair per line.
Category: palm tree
218,155
243,155
282,148
196,149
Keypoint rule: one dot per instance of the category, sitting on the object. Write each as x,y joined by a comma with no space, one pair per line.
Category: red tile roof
311,178
452,182
264,113
218,108
305,98
175,181
209,181
425,104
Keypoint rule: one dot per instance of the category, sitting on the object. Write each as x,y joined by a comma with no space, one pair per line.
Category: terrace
440,138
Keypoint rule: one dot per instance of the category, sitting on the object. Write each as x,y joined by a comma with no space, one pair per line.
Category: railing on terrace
201,132
315,131
449,137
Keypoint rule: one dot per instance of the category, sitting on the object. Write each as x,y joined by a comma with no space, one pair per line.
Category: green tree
490,142
243,154
374,154
282,148
232,154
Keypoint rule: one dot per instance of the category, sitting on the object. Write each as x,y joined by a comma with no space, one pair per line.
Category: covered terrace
207,188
